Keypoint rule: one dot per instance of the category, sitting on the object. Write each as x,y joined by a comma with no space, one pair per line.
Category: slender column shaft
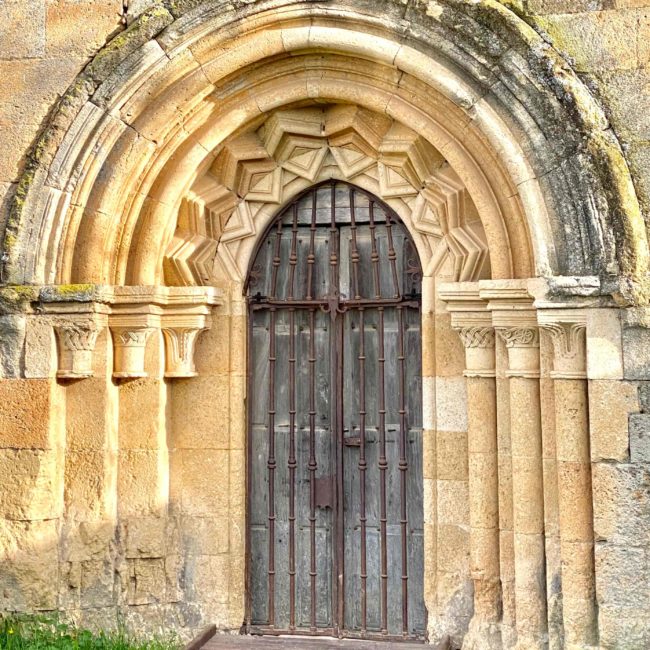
574,479
522,342
484,631
484,505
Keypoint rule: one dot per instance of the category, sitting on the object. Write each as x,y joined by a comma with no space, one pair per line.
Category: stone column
518,329
478,340
473,323
567,330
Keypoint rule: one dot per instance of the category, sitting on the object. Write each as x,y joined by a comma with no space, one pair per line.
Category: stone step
221,641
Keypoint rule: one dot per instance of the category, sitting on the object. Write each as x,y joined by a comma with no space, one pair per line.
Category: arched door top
353,273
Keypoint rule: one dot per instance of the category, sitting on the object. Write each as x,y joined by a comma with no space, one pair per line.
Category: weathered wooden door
335,511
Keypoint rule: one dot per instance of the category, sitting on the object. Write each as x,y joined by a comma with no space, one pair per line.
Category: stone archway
135,221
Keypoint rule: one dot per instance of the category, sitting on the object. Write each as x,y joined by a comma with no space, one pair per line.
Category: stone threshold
221,641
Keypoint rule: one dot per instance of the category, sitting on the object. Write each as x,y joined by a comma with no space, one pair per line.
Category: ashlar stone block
205,482
26,408
29,484
621,497
97,583
94,20
146,537
85,541
640,438
29,584
147,581
610,405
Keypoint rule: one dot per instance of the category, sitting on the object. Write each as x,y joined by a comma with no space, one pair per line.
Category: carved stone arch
262,169
72,220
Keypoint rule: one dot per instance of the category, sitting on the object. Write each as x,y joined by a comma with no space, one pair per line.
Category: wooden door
335,510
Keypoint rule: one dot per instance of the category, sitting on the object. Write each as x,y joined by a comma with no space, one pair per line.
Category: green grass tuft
34,632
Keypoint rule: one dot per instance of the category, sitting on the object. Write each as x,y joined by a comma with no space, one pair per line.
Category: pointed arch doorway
335,483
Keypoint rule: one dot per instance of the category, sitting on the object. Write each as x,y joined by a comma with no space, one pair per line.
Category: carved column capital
76,343
130,334
181,334
519,336
473,322
481,337
522,342
478,340
567,330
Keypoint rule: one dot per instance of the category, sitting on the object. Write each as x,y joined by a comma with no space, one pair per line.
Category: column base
483,636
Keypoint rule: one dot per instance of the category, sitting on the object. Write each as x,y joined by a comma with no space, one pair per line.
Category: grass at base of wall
37,632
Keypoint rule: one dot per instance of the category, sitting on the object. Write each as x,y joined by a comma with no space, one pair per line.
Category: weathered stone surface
636,341
147,580
29,484
142,413
620,583
621,503
208,398
146,537
610,405
205,535
564,6
22,29
202,471
627,95
640,438
27,410
141,483
85,541
40,349
97,583
12,336
96,21
593,40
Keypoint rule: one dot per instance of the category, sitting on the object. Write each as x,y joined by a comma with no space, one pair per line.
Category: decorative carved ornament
477,337
257,172
519,337
567,330
180,343
130,344
133,315
77,340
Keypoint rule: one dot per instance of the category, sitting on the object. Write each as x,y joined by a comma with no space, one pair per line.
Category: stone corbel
130,334
77,314
181,334
515,321
567,329
76,340
185,315
473,322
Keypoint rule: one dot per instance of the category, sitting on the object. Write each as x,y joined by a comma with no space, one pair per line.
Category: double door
335,513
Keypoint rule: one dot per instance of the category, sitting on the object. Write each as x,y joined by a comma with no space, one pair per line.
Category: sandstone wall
118,496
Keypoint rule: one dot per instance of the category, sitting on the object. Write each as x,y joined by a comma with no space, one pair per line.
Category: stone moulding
567,329
132,314
255,173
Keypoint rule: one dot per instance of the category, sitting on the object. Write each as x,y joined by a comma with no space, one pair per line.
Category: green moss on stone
146,27
67,292
17,298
